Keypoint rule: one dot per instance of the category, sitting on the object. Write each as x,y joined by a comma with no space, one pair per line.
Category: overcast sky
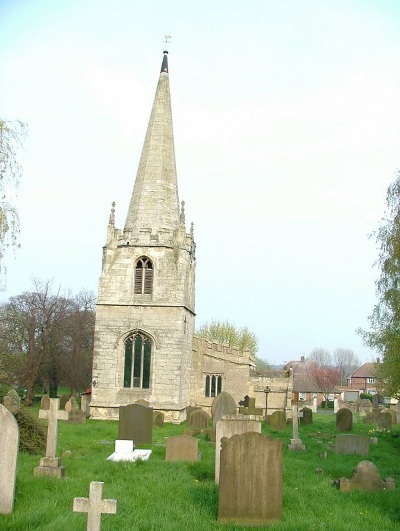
287,130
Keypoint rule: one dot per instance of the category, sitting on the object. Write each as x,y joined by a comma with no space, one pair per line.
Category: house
364,380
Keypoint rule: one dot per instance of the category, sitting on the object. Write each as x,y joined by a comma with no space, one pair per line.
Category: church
145,347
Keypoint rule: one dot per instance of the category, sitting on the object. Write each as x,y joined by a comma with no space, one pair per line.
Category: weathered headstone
384,421
366,477
9,438
199,419
158,419
277,421
251,408
344,419
50,465
63,400
378,400
296,443
142,402
229,426
189,411
12,401
85,403
95,506
307,416
76,416
223,404
182,448
45,402
351,444
398,412
136,423
365,407
250,481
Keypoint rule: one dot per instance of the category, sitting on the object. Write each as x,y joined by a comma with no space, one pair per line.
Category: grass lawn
164,496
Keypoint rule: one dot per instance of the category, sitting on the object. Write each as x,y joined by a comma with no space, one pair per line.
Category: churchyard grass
172,496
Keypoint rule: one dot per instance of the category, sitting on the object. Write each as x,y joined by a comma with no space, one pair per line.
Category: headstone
366,477
50,465
307,416
125,451
378,400
95,506
136,423
85,403
365,407
251,408
158,419
244,402
182,448
76,416
277,421
344,419
393,414
9,438
296,443
229,426
12,401
63,400
352,444
398,412
189,411
384,421
336,406
250,481
142,402
223,404
199,419
45,402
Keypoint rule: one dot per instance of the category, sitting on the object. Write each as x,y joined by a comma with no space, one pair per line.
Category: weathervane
166,39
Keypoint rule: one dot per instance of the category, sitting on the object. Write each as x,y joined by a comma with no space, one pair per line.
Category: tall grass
164,496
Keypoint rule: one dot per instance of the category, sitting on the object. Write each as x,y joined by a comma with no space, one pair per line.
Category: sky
287,129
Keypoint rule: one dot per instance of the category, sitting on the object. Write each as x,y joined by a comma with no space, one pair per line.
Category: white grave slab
124,452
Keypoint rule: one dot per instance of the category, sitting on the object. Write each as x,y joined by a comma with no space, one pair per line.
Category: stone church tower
145,308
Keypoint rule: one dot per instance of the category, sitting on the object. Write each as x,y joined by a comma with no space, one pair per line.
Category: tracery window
213,385
144,276
137,361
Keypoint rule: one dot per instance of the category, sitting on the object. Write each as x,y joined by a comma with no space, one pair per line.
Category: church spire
154,204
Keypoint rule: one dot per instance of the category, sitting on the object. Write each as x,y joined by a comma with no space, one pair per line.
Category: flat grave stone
125,451
9,438
352,444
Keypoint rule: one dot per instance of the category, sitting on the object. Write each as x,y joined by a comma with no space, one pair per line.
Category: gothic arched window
213,385
137,361
144,276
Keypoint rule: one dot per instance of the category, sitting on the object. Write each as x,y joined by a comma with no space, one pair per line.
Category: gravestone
45,402
378,400
9,438
229,426
223,404
125,451
393,414
158,419
251,408
307,416
384,421
63,400
244,402
199,419
296,443
85,403
136,423
95,506
365,407
76,416
189,411
352,444
344,419
51,465
398,412
366,477
12,401
142,402
182,448
250,481
277,421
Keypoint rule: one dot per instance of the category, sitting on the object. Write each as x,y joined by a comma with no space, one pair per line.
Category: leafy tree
384,335
11,137
325,377
226,332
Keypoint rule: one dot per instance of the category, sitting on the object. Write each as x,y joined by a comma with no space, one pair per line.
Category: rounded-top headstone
45,402
344,419
12,401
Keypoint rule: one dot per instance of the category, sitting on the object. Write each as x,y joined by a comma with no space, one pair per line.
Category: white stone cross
95,506
52,414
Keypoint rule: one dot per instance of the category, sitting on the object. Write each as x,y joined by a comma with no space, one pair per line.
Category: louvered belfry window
144,276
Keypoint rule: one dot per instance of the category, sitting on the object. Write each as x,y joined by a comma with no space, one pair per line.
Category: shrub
32,435
365,395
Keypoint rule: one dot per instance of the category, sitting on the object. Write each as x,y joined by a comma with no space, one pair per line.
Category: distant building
365,379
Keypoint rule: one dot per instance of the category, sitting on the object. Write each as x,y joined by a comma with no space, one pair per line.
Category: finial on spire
164,66
111,221
182,215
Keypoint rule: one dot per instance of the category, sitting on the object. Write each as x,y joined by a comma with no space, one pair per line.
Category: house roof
368,370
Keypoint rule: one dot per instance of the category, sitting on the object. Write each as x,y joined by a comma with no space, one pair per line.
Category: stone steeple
154,205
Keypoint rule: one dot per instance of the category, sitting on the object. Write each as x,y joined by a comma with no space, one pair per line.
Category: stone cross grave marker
9,437
50,465
251,408
296,443
95,506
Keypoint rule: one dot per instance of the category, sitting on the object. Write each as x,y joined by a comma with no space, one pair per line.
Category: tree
345,358
325,377
320,355
226,332
11,137
384,335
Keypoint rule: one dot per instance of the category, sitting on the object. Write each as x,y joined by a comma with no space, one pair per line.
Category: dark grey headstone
63,400
384,421
307,416
277,421
158,419
250,481
344,419
352,444
136,424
